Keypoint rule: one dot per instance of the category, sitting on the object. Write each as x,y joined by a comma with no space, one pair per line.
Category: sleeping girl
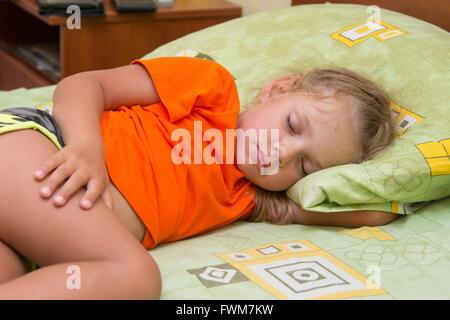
94,186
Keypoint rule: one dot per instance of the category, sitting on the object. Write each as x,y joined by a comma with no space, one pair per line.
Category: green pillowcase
408,57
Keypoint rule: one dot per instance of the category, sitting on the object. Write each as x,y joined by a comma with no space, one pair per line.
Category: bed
406,259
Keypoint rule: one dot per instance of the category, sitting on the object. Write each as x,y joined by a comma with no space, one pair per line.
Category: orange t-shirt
176,201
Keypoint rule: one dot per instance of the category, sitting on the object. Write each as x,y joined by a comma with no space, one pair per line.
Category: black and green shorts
13,119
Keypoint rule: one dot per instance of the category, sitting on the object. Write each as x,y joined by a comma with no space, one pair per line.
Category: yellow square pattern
432,149
446,144
439,166
389,34
395,207
404,119
365,233
300,270
359,32
437,156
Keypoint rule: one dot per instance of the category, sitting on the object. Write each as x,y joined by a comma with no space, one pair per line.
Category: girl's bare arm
79,100
346,219
78,103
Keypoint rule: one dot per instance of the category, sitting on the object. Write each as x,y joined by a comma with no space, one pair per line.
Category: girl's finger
107,197
48,166
58,176
93,192
72,185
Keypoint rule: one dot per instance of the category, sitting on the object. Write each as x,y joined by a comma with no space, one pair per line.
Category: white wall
253,6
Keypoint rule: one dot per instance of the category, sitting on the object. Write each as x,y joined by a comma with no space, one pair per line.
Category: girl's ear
275,88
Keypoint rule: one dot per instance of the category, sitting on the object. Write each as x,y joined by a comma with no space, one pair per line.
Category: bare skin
113,263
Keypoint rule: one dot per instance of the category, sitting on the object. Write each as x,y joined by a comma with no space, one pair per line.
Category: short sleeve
186,84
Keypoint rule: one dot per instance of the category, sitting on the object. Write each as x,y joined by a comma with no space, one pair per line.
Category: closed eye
303,169
289,126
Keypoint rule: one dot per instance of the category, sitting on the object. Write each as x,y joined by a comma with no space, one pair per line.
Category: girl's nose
287,151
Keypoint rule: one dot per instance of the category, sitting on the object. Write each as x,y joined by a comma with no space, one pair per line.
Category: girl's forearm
346,219
78,104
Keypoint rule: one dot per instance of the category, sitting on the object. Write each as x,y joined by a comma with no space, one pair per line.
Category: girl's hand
74,167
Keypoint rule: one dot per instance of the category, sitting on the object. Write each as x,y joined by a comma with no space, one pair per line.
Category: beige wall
253,6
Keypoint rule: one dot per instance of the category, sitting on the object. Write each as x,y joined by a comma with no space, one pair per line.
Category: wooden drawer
14,73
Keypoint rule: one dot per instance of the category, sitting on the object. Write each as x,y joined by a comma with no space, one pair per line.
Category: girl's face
313,134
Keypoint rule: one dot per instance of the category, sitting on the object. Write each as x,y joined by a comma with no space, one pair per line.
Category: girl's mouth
263,160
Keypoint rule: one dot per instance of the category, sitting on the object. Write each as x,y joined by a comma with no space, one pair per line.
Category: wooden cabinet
101,42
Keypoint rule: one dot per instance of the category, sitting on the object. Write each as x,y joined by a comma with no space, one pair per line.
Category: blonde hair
373,116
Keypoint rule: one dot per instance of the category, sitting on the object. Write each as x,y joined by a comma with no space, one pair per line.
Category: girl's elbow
375,218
